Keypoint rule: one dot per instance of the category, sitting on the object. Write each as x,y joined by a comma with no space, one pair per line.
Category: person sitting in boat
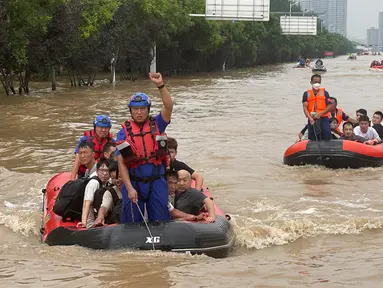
374,63
99,136
381,62
319,63
360,112
102,172
172,180
301,61
308,62
190,200
178,165
86,157
348,133
335,132
364,130
142,157
377,123
109,151
317,107
339,114
107,200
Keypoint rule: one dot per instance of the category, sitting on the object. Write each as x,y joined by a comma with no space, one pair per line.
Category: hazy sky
362,14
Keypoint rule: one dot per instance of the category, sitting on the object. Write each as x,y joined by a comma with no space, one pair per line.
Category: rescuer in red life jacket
99,136
143,156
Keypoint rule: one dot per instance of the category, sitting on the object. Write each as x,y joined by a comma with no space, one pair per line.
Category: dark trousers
321,130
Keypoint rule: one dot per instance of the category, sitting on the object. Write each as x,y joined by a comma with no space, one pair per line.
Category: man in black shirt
190,200
377,120
178,165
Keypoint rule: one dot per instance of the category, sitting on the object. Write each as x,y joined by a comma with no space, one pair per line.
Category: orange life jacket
144,144
317,103
96,145
338,116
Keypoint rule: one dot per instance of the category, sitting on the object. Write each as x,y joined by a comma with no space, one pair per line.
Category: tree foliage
42,37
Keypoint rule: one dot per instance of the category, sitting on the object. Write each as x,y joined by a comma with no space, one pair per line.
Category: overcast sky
362,14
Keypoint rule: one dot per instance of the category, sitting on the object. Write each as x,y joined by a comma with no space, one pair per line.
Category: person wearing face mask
317,107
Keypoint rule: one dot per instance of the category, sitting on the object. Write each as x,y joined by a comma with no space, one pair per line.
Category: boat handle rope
146,224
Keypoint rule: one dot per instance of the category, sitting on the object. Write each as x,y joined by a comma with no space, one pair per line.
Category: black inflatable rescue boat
213,239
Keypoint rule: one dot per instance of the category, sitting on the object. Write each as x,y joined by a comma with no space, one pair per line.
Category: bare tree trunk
93,78
10,82
26,81
3,79
53,72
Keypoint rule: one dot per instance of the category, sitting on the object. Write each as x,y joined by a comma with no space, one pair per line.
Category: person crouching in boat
86,158
340,115
99,136
143,155
377,118
102,173
107,200
335,132
172,179
348,133
317,107
177,165
364,130
190,200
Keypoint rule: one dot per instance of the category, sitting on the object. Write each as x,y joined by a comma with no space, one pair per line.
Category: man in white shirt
364,130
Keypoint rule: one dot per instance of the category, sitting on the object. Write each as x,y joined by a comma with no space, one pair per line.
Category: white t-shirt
371,133
90,189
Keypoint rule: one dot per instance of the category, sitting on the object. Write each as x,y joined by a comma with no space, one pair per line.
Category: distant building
381,28
373,36
333,13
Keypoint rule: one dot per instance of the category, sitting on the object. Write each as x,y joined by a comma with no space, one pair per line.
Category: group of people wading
325,118
140,163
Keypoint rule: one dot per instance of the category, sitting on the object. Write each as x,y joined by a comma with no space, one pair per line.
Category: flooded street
296,226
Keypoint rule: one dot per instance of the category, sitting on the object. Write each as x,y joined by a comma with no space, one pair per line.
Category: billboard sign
237,10
299,25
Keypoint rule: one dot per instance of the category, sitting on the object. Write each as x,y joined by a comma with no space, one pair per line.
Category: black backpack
69,202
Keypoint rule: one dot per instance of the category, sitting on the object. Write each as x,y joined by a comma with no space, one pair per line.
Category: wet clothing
151,186
178,165
371,133
354,138
191,201
379,129
321,130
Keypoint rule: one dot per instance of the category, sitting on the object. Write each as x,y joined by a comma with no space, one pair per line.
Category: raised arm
167,108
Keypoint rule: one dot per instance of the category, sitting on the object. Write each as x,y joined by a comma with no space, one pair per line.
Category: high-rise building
381,28
333,13
336,16
372,36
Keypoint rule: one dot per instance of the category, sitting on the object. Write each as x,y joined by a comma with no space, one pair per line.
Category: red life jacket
98,147
143,144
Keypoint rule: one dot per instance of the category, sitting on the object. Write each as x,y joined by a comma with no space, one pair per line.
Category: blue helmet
139,100
102,121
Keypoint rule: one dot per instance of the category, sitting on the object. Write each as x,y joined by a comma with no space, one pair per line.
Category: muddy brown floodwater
296,227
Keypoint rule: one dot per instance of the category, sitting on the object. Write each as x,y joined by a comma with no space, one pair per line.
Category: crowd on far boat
120,180
327,121
376,63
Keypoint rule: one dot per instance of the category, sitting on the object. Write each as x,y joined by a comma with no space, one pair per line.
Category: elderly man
190,200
